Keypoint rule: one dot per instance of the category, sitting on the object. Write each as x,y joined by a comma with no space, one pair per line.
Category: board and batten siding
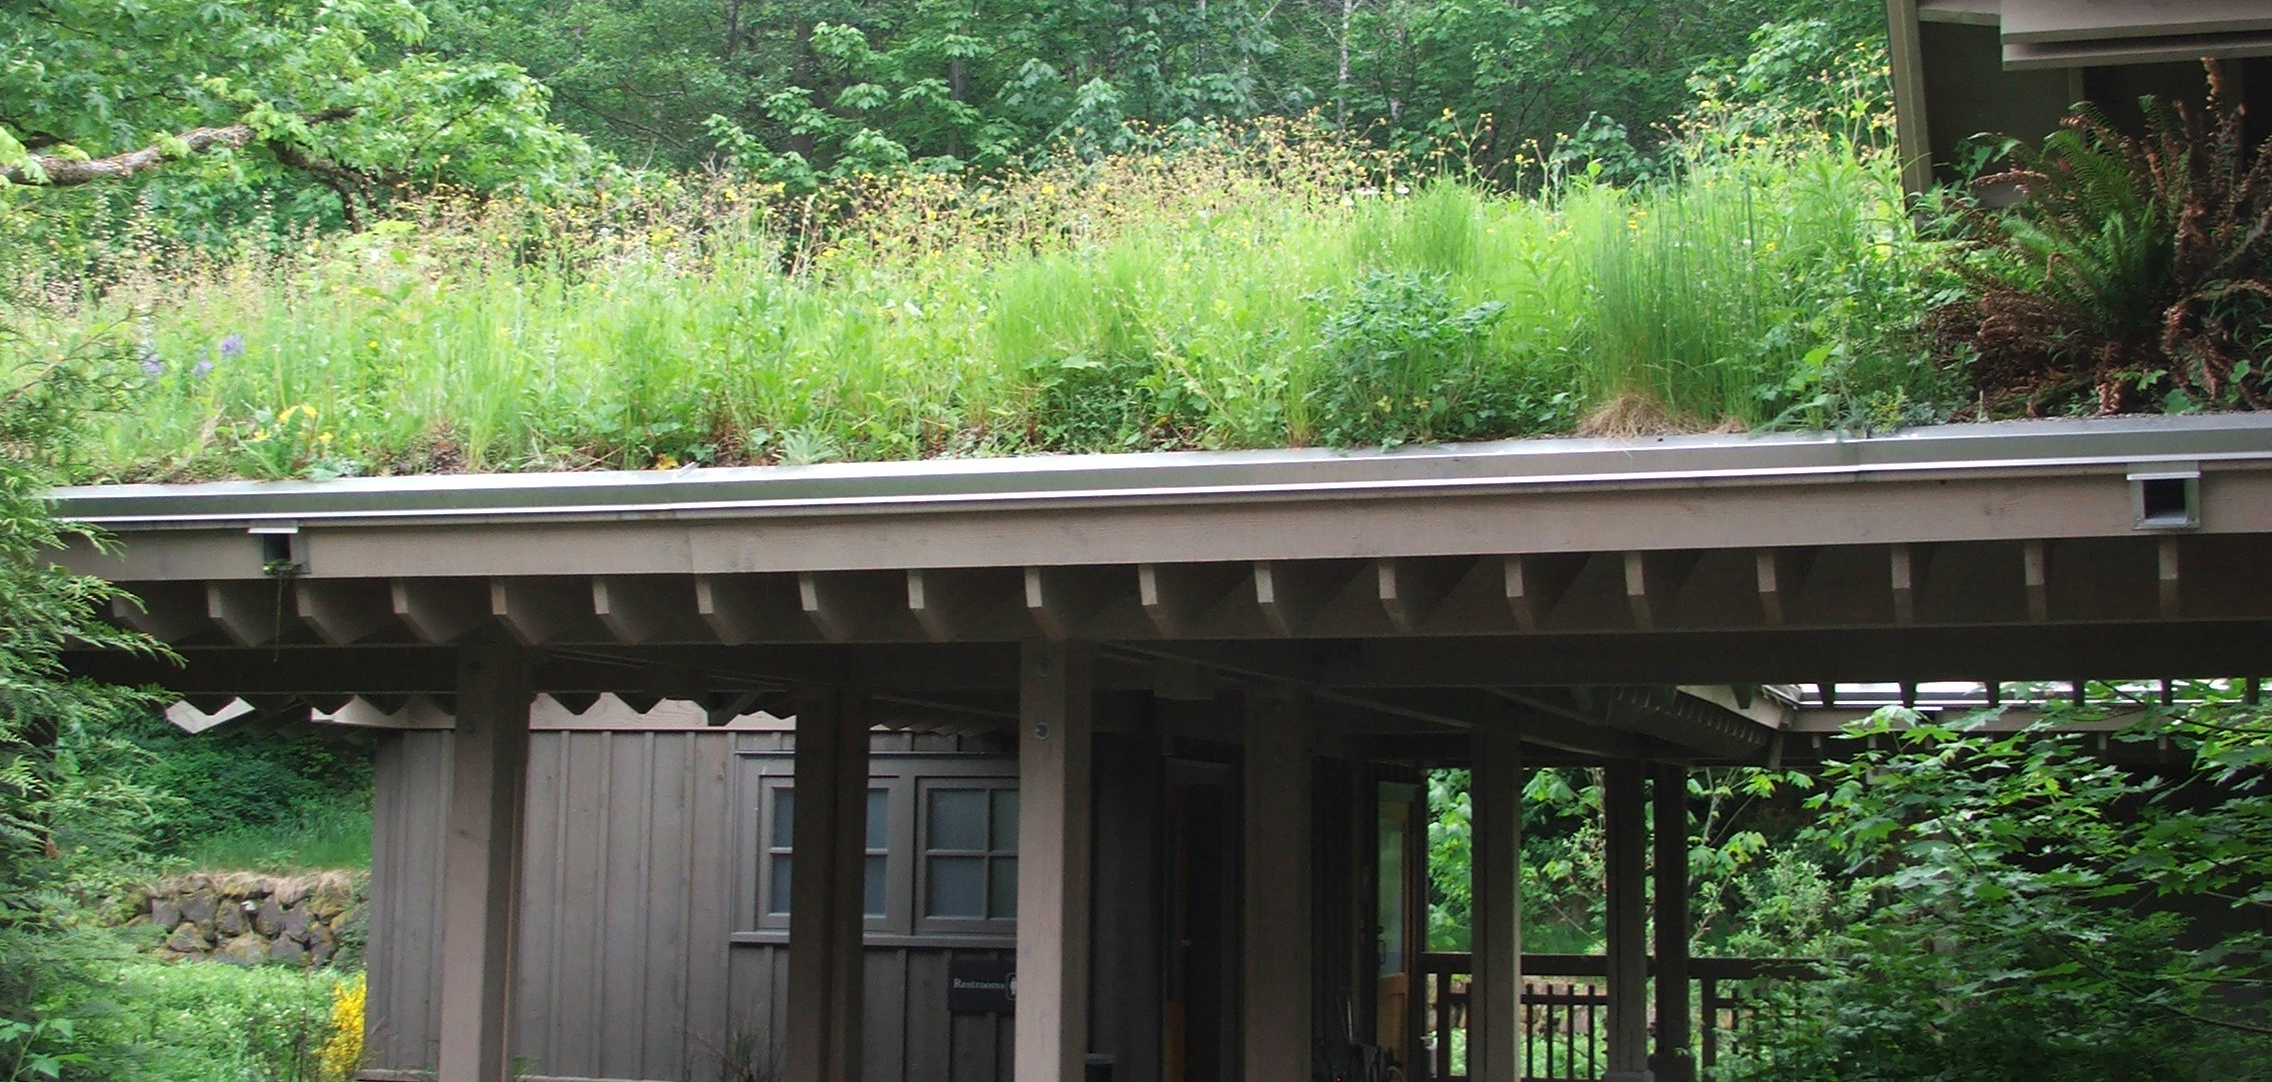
639,866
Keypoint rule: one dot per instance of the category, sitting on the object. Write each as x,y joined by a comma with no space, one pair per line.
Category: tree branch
61,172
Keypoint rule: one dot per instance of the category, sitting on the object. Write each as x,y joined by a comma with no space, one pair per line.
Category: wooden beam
1410,589
1290,593
944,603
197,717
439,610
1781,574
1536,582
1911,136
646,608
538,610
417,712
2168,579
751,608
840,604
1055,741
2035,571
344,611
1176,596
826,883
165,611
1496,1043
481,863
250,612
1909,564
1653,581
1060,600
1625,837
1671,1060
1279,964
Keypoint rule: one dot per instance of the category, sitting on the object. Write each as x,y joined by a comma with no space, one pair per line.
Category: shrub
342,1052
1406,363
2040,913
69,814
233,785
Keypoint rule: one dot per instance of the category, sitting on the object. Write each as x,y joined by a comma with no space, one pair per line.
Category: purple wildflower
232,346
152,365
203,368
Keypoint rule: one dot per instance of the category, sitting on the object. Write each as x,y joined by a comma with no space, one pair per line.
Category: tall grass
318,839
1165,299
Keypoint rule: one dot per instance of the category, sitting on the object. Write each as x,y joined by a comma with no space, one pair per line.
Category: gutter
2108,445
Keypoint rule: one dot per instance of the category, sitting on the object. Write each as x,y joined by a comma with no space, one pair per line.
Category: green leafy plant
2039,911
70,816
2136,269
1405,362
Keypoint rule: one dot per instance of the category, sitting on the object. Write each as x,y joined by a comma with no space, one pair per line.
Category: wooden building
1963,68
1135,737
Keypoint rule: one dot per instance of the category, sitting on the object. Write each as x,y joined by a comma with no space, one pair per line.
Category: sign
982,986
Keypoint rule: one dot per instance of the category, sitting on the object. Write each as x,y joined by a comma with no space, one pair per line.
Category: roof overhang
1434,576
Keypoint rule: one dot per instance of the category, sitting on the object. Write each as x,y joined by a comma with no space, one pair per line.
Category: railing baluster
1552,1014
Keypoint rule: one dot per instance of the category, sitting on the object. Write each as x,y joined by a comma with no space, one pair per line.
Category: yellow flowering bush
342,1052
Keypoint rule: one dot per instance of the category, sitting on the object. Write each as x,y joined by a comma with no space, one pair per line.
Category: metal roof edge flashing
2116,445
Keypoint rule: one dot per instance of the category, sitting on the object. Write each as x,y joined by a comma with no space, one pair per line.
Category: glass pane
875,886
958,819
1393,876
955,887
777,886
784,810
879,818
1005,821
1002,895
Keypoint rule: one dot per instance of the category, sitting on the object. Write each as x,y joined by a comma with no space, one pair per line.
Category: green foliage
1405,363
2136,271
208,1022
2067,903
341,106
69,817
234,794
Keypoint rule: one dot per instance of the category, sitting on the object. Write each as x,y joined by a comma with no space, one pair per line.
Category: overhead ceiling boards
2079,33
2052,22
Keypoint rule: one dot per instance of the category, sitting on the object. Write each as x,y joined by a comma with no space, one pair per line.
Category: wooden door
1200,1024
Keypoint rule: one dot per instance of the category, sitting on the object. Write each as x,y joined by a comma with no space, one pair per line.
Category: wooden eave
1413,587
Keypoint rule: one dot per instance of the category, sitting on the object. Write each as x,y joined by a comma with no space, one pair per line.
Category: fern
2131,262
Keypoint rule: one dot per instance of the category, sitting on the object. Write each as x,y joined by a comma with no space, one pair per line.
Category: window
970,855
941,852
780,845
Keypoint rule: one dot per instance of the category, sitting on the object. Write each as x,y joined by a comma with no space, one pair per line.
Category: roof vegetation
1255,286
1264,284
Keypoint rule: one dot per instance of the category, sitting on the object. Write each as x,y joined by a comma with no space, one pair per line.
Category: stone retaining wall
246,919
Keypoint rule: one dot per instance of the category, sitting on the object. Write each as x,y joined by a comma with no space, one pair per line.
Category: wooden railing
1566,1004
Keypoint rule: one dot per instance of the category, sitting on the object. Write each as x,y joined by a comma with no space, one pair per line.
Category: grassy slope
1278,293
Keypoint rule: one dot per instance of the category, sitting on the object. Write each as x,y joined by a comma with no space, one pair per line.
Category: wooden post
828,867
1494,1006
1624,807
1912,137
1276,904
1673,1060
481,864
1054,739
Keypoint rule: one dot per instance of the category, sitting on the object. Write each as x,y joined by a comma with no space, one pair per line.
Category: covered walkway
1320,623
